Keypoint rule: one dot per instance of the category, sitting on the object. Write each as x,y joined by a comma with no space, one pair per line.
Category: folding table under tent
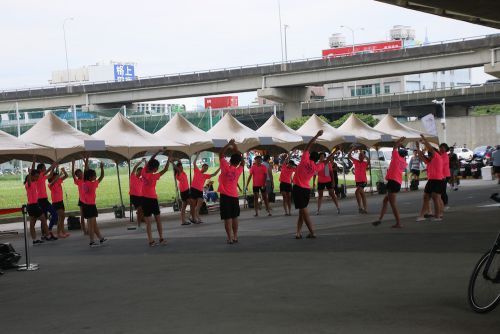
13,148
389,124
67,142
280,135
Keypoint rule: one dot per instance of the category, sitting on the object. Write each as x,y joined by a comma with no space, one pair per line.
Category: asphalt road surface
354,278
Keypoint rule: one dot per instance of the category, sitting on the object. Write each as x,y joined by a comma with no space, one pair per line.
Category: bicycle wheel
483,294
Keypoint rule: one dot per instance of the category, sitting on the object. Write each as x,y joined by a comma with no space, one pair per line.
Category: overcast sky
165,37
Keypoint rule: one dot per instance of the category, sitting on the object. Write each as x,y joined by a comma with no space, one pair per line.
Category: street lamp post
66,46
353,51
442,103
285,27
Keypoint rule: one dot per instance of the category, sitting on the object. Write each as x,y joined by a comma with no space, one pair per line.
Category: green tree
367,118
299,121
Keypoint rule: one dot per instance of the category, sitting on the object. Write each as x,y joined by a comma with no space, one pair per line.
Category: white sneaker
420,219
437,219
446,208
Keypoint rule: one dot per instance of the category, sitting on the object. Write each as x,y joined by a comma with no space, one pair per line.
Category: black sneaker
103,240
428,216
93,244
37,242
376,223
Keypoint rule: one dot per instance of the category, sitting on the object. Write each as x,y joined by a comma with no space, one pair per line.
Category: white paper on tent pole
429,124
94,145
390,125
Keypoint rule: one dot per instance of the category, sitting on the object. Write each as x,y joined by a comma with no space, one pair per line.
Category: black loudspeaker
250,201
343,191
414,185
74,223
272,197
8,256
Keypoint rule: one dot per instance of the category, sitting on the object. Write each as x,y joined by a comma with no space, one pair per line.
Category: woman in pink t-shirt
394,179
55,186
150,207
90,185
301,190
228,188
287,169
258,172
434,186
325,180
78,181
135,191
183,185
197,183
33,208
360,167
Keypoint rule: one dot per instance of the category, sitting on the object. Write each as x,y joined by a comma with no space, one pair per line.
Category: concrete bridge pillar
291,97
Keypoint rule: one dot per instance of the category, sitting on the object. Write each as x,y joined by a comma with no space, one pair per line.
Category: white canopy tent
181,135
13,148
229,128
280,134
365,134
126,139
331,136
67,142
390,125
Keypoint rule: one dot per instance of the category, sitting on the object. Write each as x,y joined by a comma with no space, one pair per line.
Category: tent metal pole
130,205
344,165
245,204
119,184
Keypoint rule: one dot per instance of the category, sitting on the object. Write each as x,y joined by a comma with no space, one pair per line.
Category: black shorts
415,171
496,169
300,196
80,203
89,211
44,204
327,185
34,210
434,186
185,195
195,193
285,187
256,190
150,207
360,184
393,186
229,207
136,201
58,206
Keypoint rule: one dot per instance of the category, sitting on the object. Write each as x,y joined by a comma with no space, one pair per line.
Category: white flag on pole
429,124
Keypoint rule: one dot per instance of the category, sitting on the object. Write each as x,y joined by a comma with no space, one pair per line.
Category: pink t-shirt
56,191
182,181
396,167
31,192
435,167
259,175
149,184
305,171
79,184
89,189
135,185
40,186
360,170
322,177
286,174
199,179
228,178
445,159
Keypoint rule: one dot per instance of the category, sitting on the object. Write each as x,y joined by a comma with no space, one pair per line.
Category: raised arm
230,144
102,173
215,173
398,142
138,164
51,169
420,154
311,142
195,159
55,179
428,145
63,175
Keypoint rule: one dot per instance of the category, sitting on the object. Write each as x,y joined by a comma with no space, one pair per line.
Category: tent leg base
30,267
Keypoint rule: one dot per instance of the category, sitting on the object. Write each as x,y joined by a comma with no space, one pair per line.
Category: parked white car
463,153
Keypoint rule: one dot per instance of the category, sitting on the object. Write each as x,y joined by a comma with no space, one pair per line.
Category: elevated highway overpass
283,82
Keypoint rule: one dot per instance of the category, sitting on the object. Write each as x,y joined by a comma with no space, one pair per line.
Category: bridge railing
225,69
